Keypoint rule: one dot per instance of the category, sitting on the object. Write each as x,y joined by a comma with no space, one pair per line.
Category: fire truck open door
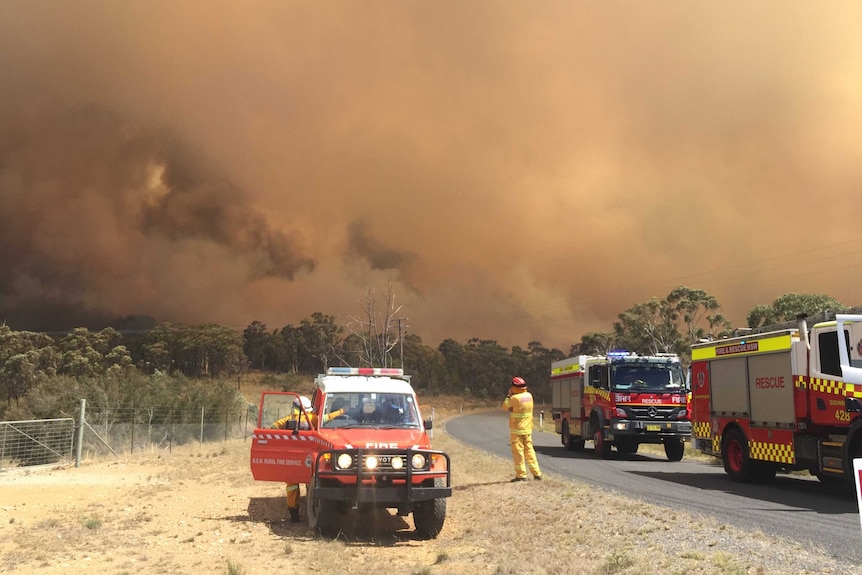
284,455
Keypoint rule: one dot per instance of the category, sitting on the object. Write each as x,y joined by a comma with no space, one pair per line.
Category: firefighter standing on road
519,404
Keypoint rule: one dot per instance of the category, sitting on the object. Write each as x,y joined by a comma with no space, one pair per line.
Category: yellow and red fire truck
782,397
375,454
621,400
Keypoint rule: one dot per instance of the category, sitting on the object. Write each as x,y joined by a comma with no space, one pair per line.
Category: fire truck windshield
647,377
370,409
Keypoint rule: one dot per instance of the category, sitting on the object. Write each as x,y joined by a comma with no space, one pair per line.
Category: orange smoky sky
518,171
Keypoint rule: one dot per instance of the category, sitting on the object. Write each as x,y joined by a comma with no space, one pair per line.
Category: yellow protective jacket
297,416
519,404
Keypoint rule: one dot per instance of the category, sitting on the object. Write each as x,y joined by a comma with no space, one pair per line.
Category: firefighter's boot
294,514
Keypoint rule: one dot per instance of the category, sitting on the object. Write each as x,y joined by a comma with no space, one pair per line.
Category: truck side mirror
429,423
291,425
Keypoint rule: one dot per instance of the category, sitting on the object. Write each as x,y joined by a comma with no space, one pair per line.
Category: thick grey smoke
519,171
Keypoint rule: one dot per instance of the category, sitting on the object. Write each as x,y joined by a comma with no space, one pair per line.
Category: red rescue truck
376,454
621,400
782,397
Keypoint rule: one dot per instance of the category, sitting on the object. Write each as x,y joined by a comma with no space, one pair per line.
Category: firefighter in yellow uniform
519,404
299,415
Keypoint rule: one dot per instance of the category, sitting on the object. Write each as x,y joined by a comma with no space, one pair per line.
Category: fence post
202,425
134,422
80,433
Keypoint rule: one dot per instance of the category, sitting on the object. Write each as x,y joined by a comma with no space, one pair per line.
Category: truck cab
362,445
621,400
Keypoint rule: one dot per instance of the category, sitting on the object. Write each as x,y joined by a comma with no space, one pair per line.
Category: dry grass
197,510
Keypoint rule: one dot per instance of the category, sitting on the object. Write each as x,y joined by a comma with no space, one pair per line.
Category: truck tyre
570,442
322,513
734,453
674,449
566,437
429,516
602,447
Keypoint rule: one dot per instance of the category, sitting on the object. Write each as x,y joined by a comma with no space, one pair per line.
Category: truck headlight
371,462
418,461
397,463
344,461
621,425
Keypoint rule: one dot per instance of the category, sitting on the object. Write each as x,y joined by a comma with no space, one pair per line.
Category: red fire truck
782,397
376,454
621,400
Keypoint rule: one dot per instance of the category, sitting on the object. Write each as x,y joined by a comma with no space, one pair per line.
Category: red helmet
519,382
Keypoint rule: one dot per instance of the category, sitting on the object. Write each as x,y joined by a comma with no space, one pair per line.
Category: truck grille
653,412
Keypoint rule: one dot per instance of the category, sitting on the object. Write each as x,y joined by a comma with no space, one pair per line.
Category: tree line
40,374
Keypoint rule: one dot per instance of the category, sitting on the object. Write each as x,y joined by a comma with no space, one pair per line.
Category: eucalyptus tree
489,367
650,328
694,307
787,307
321,336
454,362
594,343
292,347
426,364
254,344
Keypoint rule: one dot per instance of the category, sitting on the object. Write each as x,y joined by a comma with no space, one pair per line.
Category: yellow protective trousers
524,455
293,495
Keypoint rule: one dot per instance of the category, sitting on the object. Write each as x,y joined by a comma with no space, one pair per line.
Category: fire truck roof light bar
365,371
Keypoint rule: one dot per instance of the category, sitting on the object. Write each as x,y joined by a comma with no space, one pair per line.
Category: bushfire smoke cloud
519,171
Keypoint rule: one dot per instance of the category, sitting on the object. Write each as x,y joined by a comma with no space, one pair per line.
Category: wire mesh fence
36,442
136,429
118,431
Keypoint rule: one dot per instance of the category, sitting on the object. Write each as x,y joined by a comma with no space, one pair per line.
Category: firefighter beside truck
375,454
621,400
784,397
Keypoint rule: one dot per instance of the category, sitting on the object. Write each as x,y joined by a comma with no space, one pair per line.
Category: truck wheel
602,447
570,442
674,449
566,437
322,513
429,516
734,453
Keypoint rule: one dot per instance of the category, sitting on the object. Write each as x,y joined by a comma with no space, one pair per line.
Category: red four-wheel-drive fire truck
782,397
374,454
621,400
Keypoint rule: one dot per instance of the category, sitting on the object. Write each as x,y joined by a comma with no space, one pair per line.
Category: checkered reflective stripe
776,452
830,386
701,429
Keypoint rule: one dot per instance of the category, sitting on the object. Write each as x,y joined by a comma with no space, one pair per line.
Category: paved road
798,508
